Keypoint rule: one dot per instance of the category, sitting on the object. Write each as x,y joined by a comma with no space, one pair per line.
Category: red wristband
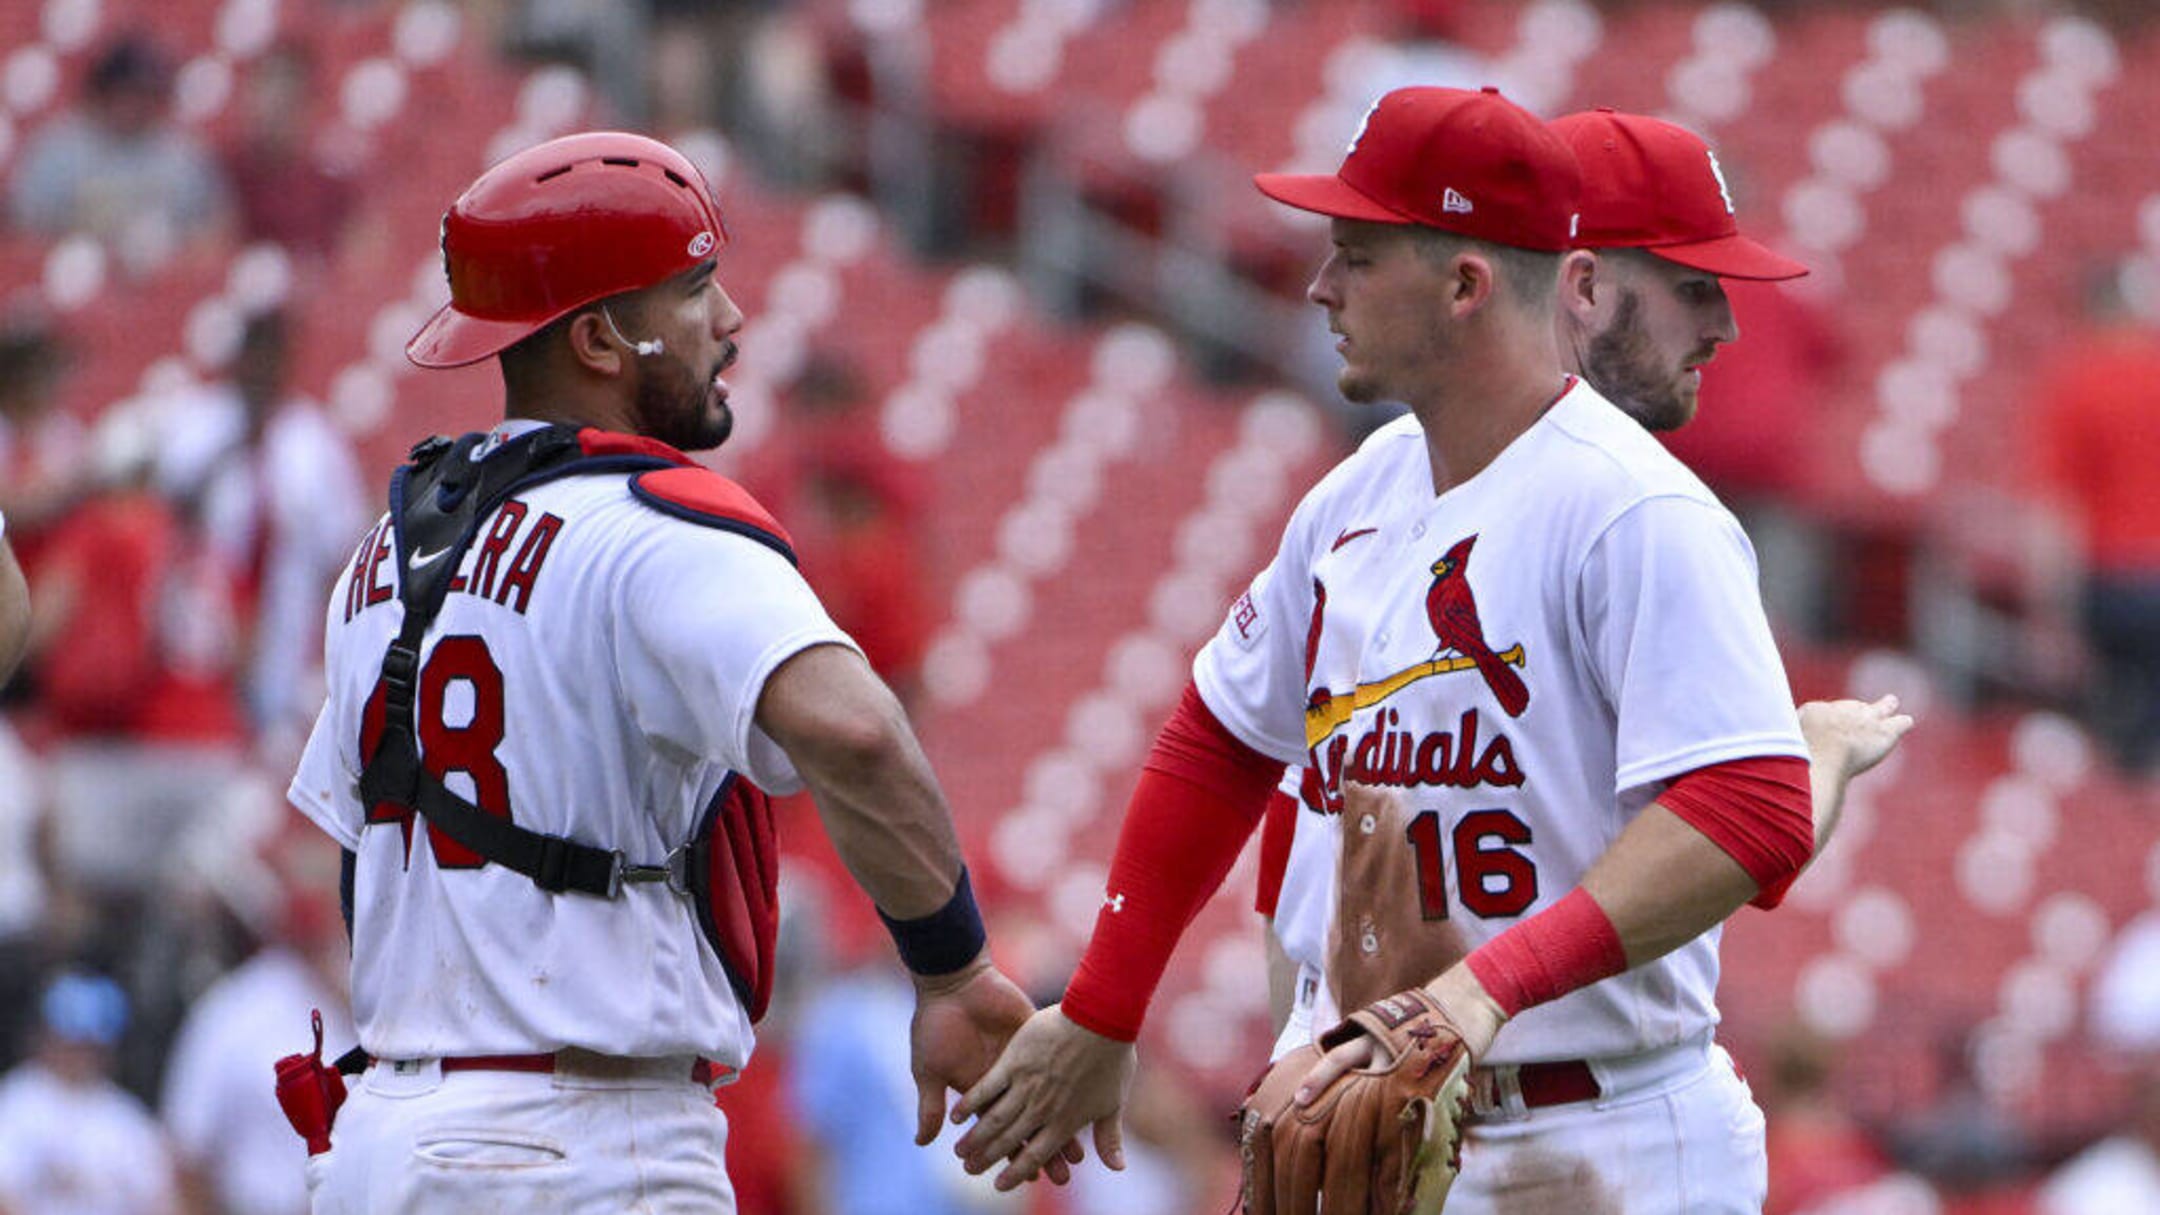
1567,946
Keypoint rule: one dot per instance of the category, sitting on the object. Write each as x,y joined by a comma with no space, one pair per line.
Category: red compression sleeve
1200,795
1568,945
1276,832
1760,811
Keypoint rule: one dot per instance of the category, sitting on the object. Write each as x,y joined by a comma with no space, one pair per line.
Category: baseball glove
1382,1140
1384,938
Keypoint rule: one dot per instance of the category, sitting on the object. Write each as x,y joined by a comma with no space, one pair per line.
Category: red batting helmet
558,226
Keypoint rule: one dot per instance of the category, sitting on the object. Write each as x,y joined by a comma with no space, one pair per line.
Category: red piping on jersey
596,442
1200,795
1760,811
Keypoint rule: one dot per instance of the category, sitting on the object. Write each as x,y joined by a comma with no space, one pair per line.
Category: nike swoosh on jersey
420,559
1349,535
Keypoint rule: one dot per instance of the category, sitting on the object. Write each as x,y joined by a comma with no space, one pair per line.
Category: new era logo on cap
1423,155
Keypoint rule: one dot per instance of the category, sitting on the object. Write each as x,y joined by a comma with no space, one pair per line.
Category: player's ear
592,345
1582,284
1475,278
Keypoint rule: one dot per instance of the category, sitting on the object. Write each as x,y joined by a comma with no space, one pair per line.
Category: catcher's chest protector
729,868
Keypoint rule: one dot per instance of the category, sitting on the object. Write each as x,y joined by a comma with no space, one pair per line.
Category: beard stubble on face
1624,366
1367,385
681,409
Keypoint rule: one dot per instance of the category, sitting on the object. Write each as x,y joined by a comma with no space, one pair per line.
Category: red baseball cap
1472,163
1648,184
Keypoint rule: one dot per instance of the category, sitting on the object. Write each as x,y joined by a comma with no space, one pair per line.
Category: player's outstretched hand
962,1023
1054,1078
1851,736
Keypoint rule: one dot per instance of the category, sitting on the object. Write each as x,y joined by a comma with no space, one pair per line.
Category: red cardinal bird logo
1454,615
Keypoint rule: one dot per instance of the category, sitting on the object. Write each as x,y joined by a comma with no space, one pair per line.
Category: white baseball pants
411,1139
1675,1133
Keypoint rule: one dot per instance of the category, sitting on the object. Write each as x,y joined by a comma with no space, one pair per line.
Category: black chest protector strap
438,503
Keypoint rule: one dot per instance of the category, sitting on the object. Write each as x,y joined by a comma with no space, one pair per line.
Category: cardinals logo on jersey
1452,610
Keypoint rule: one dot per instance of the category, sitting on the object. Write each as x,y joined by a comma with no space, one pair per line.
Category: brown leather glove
1266,1104
1381,941
1382,1140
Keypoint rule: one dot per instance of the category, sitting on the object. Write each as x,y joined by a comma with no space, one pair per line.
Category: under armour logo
1115,902
1452,201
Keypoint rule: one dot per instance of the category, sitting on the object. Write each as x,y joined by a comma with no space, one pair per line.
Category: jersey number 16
1497,881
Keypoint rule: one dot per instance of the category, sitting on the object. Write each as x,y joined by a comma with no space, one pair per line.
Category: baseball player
1516,616
564,671
1637,324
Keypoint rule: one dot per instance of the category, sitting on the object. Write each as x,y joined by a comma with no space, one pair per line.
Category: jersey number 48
459,664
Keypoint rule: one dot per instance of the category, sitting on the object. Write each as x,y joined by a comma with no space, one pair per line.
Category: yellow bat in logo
1323,718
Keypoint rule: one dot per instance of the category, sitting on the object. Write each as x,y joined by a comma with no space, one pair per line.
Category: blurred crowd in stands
167,923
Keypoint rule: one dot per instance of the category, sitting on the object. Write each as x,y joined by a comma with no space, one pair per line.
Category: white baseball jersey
595,668
1529,657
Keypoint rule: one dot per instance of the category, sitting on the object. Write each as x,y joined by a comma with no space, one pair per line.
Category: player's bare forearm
1282,976
875,793
1663,883
14,612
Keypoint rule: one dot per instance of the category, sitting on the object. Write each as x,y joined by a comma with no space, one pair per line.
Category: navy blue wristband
946,939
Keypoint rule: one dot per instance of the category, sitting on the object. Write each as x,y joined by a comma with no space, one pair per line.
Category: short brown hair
1532,275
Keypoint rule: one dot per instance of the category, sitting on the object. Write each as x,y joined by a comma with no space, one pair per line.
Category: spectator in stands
1175,1163
277,493
1961,1143
848,1088
44,466
72,1142
26,936
2097,445
610,43
134,635
857,507
1816,1149
2126,997
288,188
117,170
237,1154
2119,1175
1760,400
